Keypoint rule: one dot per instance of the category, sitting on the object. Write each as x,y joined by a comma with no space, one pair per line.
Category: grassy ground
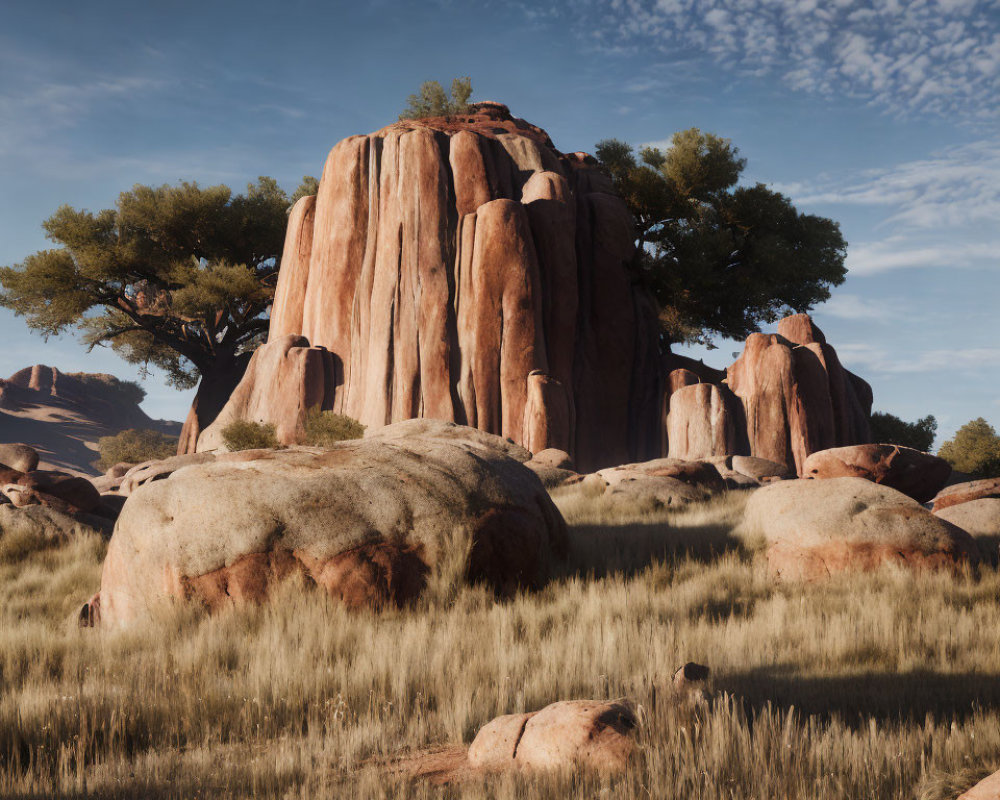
877,686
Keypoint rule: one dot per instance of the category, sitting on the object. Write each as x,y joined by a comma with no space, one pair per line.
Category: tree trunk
216,386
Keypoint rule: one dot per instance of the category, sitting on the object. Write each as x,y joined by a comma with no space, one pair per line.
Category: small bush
434,101
323,428
245,435
133,446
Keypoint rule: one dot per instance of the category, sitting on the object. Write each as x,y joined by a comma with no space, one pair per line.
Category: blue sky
884,116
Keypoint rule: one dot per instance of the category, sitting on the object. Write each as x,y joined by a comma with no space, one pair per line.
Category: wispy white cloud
856,308
928,56
876,359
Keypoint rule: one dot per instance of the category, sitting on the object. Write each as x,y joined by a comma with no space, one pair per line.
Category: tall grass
882,685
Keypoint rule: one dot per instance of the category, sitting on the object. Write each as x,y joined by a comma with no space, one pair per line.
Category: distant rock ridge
62,415
461,268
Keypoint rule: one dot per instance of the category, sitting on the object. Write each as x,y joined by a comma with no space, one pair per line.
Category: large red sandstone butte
464,269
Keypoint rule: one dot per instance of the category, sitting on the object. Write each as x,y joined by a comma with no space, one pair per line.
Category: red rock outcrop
797,396
701,422
463,269
916,474
966,492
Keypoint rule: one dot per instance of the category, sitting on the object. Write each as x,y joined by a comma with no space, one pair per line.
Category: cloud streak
938,57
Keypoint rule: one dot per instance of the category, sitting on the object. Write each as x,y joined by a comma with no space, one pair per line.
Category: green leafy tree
719,258
974,450
309,186
134,446
179,277
890,429
433,101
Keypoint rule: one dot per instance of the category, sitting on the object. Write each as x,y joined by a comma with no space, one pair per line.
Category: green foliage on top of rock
323,428
433,101
309,186
889,429
244,435
134,446
720,258
975,449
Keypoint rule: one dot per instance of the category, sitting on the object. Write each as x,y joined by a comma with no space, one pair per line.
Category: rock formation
371,522
814,528
463,269
919,475
797,397
62,415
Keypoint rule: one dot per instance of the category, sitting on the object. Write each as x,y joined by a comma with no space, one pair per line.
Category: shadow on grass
629,548
897,697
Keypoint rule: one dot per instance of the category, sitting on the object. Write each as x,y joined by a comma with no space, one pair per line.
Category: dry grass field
874,686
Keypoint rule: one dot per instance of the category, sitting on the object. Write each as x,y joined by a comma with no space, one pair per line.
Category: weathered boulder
285,379
919,475
66,493
987,789
815,528
371,521
19,457
557,459
979,517
658,483
463,269
149,471
966,492
49,524
797,397
759,468
701,421
553,467
588,733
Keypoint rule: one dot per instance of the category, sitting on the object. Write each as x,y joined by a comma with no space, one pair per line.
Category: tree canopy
719,258
179,277
975,449
433,101
890,429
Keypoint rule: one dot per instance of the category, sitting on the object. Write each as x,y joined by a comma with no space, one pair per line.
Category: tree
975,449
890,429
175,276
719,258
309,186
433,101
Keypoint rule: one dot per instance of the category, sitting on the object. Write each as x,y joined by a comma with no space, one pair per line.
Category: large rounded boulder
979,517
813,529
372,522
919,475
966,492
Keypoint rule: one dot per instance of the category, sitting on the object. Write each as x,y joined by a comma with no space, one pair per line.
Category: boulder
979,517
149,471
701,422
19,457
571,733
694,473
49,524
463,269
987,789
556,459
759,468
370,521
919,475
814,528
966,492
66,493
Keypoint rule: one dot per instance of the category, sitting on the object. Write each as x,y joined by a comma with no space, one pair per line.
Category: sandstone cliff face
463,269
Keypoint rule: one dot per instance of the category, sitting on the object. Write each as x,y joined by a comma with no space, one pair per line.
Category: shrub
975,449
323,428
133,446
434,101
242,434
890,429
